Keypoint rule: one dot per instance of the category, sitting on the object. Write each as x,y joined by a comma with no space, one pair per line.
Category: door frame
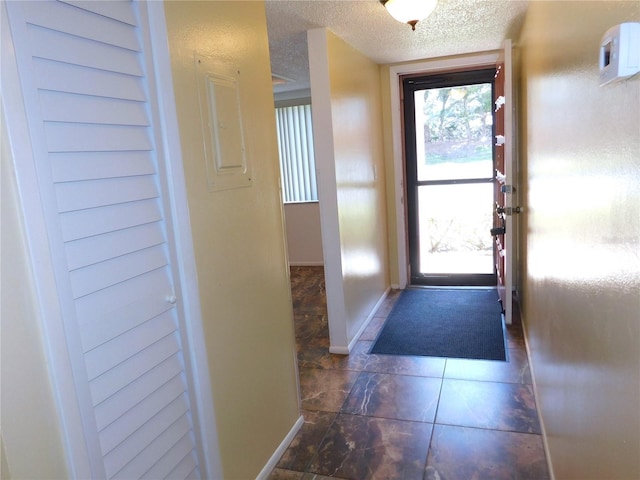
50,308
428,67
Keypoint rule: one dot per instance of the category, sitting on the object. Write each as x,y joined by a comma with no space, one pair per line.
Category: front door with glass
450,183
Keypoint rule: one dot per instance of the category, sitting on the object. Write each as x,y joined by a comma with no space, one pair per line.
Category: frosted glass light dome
410,11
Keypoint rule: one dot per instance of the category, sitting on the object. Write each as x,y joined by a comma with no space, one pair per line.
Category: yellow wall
582,303
31,436
358,151
304,236
347,120
239,239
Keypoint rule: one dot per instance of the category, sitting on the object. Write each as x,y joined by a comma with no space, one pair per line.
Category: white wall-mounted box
223,128
620,52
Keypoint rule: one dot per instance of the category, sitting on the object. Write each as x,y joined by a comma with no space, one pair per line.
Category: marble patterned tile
325,390
305,444
362,448
280,474
471,453
399,397
319,357
496,400
515,336
373,329
406,365
314,476
498,406
311,331
515,370
308,289
311,356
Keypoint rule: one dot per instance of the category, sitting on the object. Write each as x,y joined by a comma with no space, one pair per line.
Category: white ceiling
455,27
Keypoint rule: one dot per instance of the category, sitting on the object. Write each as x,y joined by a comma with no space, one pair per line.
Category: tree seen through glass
454,142
454,131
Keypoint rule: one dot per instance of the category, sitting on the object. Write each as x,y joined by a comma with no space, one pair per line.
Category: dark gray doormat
452,323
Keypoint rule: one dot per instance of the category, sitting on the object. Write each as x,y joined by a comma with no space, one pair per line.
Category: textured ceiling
455,27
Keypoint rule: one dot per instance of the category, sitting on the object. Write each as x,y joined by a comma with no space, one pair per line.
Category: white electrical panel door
222,124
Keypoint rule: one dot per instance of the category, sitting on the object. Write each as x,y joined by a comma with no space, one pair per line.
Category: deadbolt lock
512,210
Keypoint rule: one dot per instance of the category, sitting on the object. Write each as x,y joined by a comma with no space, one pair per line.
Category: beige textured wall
304,236
350,84
582,303
31,436
345,88
239,239
360,172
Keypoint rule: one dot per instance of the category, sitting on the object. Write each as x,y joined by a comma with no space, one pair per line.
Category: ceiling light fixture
409,11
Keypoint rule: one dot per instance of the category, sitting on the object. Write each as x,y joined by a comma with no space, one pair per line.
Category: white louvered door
86,90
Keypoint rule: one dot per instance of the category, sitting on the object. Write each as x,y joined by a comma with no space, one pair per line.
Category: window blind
297,162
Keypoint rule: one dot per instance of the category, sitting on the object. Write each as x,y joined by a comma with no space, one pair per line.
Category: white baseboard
356,337
273,461
365,324
339,350
536,395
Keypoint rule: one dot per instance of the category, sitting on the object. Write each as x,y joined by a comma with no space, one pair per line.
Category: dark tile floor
399,417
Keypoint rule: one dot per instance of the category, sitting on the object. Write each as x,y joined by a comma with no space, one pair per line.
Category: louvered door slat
168,461
131,370
63,77
119,321
137,442
87,251
139,415
115,406
117,9
102,275
83,137
101,306
122,307
67,107
99,193
74,166
82,66
158,449
96,221
187,468
127,345
84,24
66,48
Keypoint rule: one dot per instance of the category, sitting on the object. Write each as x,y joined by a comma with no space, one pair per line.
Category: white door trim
187,279
428,66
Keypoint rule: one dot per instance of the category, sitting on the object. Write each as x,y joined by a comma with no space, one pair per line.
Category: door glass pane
454,223
454,132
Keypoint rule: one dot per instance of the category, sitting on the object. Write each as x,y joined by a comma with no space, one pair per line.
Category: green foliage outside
458,131
458,124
